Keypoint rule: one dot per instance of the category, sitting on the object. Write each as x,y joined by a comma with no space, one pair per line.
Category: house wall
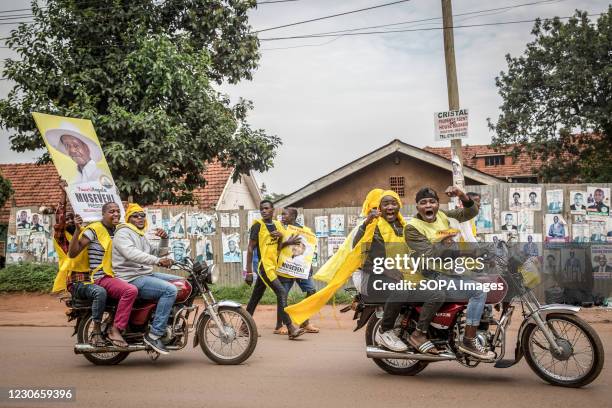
351,191
237,195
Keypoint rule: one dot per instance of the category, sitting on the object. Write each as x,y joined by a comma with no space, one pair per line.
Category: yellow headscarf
344,262
132,209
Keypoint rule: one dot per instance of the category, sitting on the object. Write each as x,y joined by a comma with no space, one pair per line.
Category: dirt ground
328,369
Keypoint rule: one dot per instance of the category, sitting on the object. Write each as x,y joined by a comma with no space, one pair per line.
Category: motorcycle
226,333
560,347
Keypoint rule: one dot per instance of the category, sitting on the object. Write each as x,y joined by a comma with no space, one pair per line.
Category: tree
557,99
6,191
144,72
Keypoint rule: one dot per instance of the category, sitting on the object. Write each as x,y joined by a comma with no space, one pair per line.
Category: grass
32,277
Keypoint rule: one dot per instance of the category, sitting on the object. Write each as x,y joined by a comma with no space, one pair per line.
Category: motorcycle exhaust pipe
88,348
376,352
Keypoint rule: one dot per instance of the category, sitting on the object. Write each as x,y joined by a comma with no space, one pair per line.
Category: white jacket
133,255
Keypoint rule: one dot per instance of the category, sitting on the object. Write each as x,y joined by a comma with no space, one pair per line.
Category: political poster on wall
336,224
321,226
598,201
295,260
154,221
532,198
554,201
78,157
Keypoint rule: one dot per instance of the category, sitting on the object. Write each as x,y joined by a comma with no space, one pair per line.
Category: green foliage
143,72
6,190
561,85
274,197
28,277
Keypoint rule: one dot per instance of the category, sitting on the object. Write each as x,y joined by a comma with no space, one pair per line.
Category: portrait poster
204,252
23,222
515,198
555,228
321,226
578,200
552,261
525,221
532,198
353,220
580,233
300,219
597,231
12,246
573,265
235,220
253,215
333,244
531,244
176,226
295,260
38,246
509,221
225,220
231,248
484,219
179,249
601,261
554,201
154,221
79,159
598,201
196,223
336,224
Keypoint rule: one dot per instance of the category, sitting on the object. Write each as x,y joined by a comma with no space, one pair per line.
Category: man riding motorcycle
133,260
424,234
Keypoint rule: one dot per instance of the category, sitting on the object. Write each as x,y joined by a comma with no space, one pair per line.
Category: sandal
310,329
117,342
96,339
424,348
282,330
296,333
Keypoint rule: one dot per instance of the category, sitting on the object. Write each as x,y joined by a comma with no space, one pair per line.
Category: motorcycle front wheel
392,366
84,329
232,345
582,357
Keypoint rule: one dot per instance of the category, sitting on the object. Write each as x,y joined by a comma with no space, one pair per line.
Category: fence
498,197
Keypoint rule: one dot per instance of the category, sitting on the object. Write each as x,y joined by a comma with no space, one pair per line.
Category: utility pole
451,85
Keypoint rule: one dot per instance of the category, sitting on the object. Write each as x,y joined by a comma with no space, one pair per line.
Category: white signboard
451,124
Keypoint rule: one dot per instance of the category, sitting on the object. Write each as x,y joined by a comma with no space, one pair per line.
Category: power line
330,16
409,30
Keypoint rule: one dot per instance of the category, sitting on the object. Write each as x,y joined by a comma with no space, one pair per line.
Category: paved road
323,370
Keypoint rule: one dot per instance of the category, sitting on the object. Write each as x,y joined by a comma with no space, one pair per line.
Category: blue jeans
307,285
156,287
96,293
476,298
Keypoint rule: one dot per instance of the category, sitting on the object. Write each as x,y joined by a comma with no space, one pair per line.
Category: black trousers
261,284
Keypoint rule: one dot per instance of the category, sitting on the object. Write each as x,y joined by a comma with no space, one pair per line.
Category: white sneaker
390,340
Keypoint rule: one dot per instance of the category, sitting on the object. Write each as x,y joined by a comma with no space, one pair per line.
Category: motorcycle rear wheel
395,367
83,331
239,324
577,335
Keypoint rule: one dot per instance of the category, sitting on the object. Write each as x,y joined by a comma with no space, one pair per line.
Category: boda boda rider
264,236
289,216
94,266
133,260
63,231
429,235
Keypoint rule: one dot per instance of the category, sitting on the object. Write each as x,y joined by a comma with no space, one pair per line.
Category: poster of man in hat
78,157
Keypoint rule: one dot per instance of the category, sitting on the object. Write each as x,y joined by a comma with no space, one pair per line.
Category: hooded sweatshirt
133,255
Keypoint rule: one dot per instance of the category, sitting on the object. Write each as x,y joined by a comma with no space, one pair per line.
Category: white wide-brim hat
66,128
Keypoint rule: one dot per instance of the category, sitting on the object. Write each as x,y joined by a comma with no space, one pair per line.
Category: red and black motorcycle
226,333
559,346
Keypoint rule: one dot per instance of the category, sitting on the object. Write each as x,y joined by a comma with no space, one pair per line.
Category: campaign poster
11,246
525,221
532,198
601,261
336,226
598,201
253,215
552,262
353,220
509,221
580,233
198,225
23,222
154,221
38,246
573,265
78,157
578,200
333,244
555,228
321,226
235,220
300,219
225,220
515,198
231,248
554,201
175,227
531,244
484,219
179,249
597,231
296,260
204,252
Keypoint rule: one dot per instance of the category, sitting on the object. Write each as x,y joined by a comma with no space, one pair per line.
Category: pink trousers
125,292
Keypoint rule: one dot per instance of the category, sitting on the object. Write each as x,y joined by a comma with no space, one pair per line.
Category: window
494,160
397,184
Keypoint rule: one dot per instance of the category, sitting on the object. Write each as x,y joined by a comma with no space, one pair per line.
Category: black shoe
156,344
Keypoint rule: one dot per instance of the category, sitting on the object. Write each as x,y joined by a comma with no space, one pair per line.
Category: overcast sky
332,100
